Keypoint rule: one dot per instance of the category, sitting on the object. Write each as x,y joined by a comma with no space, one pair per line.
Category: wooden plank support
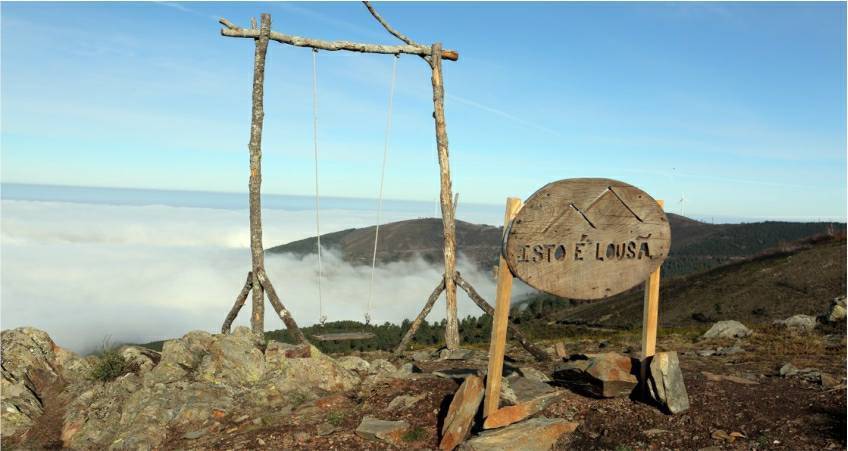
534,350
404,342
233,31
650,318
344,336
446,198
497,346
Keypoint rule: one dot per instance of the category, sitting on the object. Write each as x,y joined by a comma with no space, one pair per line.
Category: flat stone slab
463,408
373,428
537,434
513,414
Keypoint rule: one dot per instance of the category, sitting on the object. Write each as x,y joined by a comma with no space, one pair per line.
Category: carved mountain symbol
609,209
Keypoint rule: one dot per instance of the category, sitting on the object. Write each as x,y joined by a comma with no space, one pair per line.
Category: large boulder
727,329
804,323
607,375
32,363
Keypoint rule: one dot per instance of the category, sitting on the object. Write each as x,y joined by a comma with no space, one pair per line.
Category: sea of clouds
85,272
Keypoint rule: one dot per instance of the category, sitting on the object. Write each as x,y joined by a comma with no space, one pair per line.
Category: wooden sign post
579,239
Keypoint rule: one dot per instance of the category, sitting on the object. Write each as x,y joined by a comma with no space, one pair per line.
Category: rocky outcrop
606,375
727,329
31,364
195,381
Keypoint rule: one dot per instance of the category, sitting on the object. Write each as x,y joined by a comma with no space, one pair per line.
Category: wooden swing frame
257,280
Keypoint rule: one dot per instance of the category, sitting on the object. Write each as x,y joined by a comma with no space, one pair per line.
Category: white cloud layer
83,272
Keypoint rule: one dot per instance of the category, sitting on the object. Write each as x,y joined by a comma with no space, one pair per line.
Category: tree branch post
257,318
538,353
240,299
449,225
404,342
281,310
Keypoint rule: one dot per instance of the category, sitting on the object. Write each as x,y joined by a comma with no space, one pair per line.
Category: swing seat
344,336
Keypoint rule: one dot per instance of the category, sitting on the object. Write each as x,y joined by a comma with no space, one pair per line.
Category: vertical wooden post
650,312
452,328
500,320
650,316
257,319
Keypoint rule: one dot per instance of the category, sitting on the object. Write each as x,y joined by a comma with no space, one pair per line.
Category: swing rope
386,141
321,317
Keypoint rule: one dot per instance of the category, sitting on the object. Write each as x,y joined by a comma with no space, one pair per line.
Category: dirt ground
775,412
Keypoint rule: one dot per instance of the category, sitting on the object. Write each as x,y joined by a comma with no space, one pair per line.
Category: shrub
110,364
415,434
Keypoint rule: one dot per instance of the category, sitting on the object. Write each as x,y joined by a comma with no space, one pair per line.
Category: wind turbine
682,203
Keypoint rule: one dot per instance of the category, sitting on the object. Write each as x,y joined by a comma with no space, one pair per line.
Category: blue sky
741,106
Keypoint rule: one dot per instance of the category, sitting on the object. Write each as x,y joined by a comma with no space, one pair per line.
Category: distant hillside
759,290
695,246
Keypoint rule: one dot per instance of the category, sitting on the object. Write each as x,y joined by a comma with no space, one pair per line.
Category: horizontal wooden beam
233,31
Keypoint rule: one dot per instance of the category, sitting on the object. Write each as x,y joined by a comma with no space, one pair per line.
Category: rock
788,370
140,359
828,381
730,350
507,395
521,410
421,356
463,408
721,377
354,363
33,364
388,431
405,401
527,389
325,429
837,311
192,435
606,375
406,370
665,382
533,374
803,323
727,329
458,373
290,367
653,432
235,359
382,367
706,352
721,435
537,434
456,354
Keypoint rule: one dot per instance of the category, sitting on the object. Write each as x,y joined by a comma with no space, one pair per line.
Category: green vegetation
415,434
110,364
336,417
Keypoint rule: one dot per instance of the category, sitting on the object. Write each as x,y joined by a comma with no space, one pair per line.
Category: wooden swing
258,282
322,318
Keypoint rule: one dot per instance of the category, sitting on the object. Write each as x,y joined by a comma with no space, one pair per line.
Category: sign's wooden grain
587,238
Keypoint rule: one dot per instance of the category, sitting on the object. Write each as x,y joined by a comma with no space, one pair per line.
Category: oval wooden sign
587,238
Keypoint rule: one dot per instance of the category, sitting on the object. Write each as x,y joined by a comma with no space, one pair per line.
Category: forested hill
695,246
